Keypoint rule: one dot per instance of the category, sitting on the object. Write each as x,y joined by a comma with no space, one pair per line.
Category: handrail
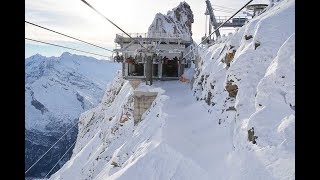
235,20
156,35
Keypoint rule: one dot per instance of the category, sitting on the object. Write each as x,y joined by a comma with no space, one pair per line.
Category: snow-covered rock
57,91
178,21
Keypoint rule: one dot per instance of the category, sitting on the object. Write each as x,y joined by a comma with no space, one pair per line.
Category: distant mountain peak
36,56
66,54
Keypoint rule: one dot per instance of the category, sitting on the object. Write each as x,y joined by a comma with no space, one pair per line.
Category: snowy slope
63,87
257,90
247,80
57,91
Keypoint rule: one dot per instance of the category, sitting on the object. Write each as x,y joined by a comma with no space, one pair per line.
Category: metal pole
210,27
205,34
227,20
213,20
220,26
151,71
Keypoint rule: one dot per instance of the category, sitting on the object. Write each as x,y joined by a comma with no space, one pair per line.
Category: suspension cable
66,35
50,148
61,158
66,47
224,7
220,26
85,2
227,20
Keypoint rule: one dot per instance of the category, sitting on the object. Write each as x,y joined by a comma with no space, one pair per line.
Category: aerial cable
220,26
227,20
66,47
84,1
60,159
67,35
223,11
218,9
227,11
50,148
224,7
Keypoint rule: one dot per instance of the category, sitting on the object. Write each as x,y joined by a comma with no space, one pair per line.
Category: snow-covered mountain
203,129
178,21
57,91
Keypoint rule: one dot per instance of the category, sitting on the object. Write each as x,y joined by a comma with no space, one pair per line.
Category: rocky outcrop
178,21
229,57
232,89
251,137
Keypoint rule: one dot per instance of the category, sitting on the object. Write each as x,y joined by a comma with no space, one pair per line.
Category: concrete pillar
148,69
134,83
160,70
179,69
123,69
126,69
144,68
142,102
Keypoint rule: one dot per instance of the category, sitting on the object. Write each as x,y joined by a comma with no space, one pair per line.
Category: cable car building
161,57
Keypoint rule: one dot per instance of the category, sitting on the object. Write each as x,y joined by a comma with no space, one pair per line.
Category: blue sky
74,18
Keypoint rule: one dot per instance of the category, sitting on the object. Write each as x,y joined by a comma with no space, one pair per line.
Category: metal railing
157,35
167,35
134,35
236,20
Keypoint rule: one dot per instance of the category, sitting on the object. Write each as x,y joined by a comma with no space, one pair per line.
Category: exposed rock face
229,57
177,21
251,137
232,89
247,37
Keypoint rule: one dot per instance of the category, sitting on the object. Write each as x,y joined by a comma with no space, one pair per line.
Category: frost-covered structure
166,47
